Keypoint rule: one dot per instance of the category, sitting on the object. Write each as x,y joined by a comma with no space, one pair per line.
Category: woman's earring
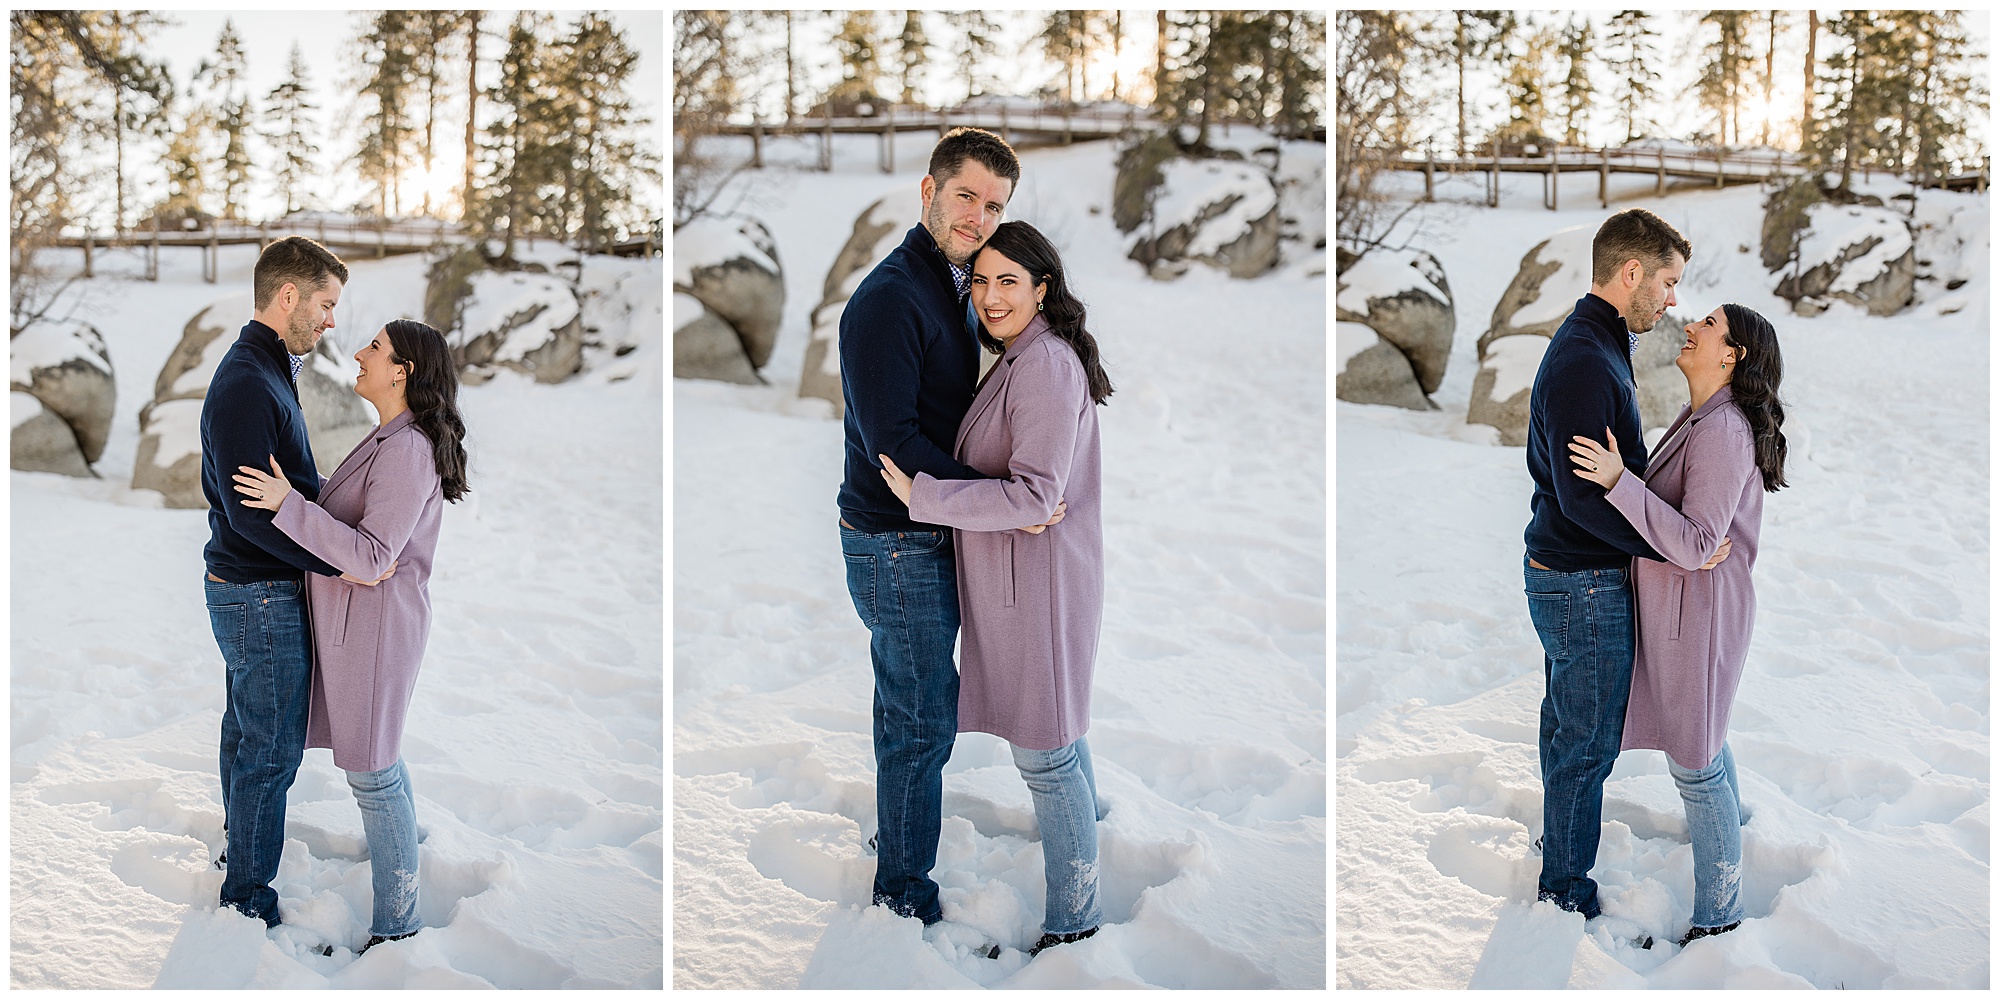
1038,307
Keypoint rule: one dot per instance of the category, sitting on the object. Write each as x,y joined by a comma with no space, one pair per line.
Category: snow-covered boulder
1662,387
64,364
877,231
1500,391
1856,253
1220,212
1403,297
705,343
43,442
169,456
1552,276
1368,369
730,265
523,320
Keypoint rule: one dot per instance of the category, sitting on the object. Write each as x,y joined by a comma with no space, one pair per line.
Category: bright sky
1677,56
325,39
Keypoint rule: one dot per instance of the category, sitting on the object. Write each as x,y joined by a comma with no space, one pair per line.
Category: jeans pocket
1550,613
230,622
861,585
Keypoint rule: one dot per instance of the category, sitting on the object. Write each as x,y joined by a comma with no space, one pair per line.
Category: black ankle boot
1695,933
375,939
1051,940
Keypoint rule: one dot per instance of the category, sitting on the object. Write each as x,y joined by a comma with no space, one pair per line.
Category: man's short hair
992,152
301,261
1634,234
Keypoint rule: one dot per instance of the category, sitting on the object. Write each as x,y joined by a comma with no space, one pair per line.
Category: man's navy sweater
250,414
908,368
1584,385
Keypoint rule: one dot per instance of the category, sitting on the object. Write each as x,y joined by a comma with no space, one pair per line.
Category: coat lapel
364,452
1677,435
1003,369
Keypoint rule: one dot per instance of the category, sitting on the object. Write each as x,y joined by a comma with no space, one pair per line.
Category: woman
1703,491
1031,601
378,517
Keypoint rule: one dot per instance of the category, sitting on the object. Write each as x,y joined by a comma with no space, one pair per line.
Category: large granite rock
1402,295
1223,213
1855,253
1369,369
1552,276
64,364
706,343
169,455
730,265
877,231
1507,371
526,321
42,441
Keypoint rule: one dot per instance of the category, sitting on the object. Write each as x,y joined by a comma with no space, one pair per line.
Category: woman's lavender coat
1694,625
1030,604
382,506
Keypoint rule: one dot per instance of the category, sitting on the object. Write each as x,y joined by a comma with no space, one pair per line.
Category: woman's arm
1721,458
399,481
1044,393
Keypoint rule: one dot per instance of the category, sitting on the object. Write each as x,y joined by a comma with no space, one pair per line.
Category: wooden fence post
1430,172
1718,167
89,244
889,141
826,139
1660,178
1604,178
1493,198
153,257
757,143
1555,179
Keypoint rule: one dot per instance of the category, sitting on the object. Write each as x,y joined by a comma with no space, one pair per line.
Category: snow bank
687,309
48,343
1386,273
498,298
1835,228
1569,248
710,240
1190,186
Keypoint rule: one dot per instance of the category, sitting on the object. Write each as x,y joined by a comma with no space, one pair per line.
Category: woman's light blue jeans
1714,816
1064,787
389,818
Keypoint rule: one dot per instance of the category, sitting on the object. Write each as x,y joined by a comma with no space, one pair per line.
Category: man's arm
1587,405
400,481
1042,402
246,433
1721,458
881,359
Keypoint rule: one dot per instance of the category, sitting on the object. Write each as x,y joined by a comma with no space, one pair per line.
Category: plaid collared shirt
961,277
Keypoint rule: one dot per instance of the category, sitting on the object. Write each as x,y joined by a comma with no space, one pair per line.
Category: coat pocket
342,606
1007,561
1676,599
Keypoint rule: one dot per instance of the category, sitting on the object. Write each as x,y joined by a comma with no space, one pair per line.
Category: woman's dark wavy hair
433,397
1754,386
1025,245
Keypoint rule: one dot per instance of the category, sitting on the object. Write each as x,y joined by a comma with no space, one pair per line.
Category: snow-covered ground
534,742
1861,728
1209,731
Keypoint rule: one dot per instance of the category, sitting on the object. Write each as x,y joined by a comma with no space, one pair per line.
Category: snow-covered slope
534,741
1861,728
1209,729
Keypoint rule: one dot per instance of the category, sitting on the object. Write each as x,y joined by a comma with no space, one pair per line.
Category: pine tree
860,65
519,137
1476,35
388,58
912,52
288,113
231,113
976,43
592,143
1721,81
1575,90
1946,96
1064,39
469,23
1527,85
1629,51
187,162
432,33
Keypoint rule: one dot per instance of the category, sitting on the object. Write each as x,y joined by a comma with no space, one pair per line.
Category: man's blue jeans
1064,787
266,646
1714,815
389,818
905,588
1584,620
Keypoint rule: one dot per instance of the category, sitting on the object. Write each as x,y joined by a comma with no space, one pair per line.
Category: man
908,363
1579,546
255,582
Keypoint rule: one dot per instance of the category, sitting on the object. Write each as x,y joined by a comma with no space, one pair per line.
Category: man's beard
1641,315
940,230
299,332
